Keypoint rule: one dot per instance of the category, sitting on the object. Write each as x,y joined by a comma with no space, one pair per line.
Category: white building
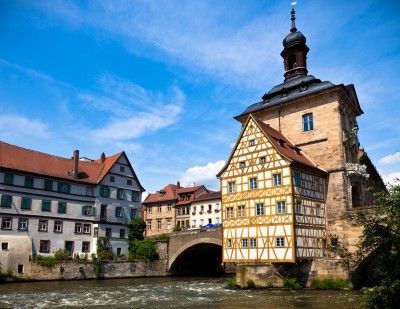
206,209
49,202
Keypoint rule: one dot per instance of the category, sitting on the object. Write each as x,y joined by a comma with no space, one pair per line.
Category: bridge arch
200,256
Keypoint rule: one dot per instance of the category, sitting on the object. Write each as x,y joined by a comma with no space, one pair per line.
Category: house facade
206,209
296,168
50,203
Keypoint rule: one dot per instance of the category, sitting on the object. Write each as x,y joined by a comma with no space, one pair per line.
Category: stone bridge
196,252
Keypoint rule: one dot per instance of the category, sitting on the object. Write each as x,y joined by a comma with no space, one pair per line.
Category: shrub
177,228
162,237
145,250
291,284
331,284
250,284
385,296
84,257
61,254
269,285
233,282
6,274
47,261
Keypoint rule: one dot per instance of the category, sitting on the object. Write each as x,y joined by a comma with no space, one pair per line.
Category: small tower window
292,62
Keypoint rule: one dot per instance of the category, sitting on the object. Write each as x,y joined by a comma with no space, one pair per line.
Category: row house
49,203
206,209
173,206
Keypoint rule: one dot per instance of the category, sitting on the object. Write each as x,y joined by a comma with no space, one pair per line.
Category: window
87,228
159,208
20,268
318,210
134,213
229,212
28,182
280,242
253,242
95,231
89,191
122,233
231,187
251,142
158,225
112,179
58,226
8,178
149,225
277,179
46,205
242,164
62,207
281,207
119,251
210,221
129,182
48,185
108,232
169,224
169,207
63,187
23,224
88,210
298,207
148,209
241,211
26,203
6,223
4,246
135,196
118,212
78,228
262,160
6,200
229,243
308,124
42,227
297,179
44,246
104,191
85,246
259,209
253,183
120,194
317,185
244,243
122,169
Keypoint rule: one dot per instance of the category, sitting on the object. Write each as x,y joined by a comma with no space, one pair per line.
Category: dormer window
281,142
122,169
262,160
251,142
162,192
242,164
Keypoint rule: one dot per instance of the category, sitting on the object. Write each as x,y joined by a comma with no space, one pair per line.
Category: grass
331,284
250,284
291,284
47,261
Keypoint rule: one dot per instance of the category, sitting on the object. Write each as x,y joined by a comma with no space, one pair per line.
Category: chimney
75,160
193,184
178,184
102,157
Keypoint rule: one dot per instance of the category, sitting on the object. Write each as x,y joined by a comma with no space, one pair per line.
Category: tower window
292,62
308,123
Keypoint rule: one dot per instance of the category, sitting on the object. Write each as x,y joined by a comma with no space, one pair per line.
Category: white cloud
14,125
203,175
390,159
391,177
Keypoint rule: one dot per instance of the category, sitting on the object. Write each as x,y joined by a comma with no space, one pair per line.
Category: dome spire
293,13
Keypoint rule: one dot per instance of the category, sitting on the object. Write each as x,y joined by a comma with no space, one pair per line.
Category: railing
112,219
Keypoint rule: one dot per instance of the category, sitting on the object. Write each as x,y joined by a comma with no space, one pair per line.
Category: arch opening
200,260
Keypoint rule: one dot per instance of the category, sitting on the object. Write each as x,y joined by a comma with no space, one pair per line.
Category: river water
166,292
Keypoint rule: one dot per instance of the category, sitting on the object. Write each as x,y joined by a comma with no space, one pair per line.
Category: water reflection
163,293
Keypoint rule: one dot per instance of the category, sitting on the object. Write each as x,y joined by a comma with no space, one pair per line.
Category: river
165,292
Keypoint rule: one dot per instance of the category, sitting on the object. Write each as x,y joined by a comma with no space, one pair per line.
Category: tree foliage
145,250
136,229
381,232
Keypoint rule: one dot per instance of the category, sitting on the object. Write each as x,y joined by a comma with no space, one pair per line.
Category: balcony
112,219
357,173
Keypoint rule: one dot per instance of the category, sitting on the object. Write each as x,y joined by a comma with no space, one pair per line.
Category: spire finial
293,29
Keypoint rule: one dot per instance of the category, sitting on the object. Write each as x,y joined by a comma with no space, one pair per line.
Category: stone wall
115,269
273,273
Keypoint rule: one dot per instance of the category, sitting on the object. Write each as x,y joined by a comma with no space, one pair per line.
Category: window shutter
123,213
116,213
83,210
94,211
59,186
132,214
68,188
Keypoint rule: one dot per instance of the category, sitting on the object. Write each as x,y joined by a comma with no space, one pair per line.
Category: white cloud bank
203,175
390,159
14,125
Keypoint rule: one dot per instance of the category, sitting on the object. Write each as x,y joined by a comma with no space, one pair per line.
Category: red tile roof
211,195
172,193
25,160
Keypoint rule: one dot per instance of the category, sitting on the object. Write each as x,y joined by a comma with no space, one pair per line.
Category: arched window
292,62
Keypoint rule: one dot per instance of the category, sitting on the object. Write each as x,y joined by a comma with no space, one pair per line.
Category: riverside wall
115,269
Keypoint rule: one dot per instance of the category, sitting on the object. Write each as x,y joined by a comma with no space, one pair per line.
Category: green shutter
83,210
116,208
9,179
94,211
59,186
68,188
122,213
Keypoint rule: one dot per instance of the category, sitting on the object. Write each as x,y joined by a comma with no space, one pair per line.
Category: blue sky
162,80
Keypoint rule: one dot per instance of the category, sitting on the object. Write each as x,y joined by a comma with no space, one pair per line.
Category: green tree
380,246
136,229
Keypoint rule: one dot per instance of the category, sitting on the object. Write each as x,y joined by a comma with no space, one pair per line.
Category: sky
163,79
